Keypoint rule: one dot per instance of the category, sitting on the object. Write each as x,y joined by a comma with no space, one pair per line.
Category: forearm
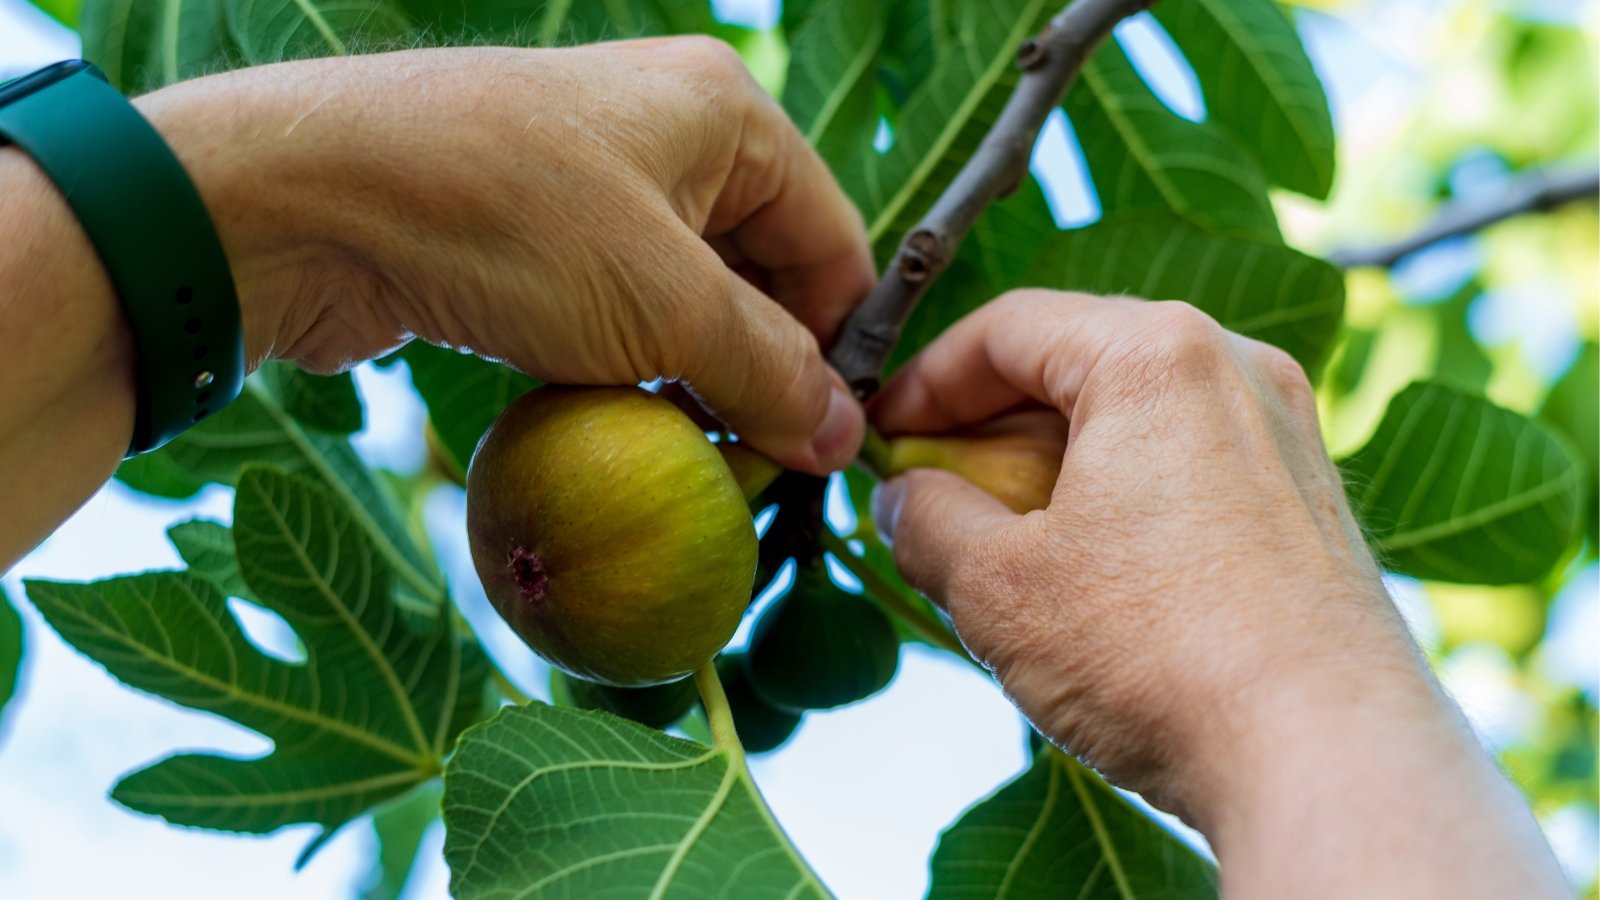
67,414
1372,785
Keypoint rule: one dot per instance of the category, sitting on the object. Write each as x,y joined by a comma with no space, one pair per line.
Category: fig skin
610,534
1016,460
818,647
657,706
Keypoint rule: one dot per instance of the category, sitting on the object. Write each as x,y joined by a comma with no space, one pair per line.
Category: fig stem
875,454
887,596
718,713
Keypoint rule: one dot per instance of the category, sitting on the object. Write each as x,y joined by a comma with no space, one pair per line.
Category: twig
1534,192
1050,61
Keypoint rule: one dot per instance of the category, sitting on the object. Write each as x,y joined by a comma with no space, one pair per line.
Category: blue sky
863,791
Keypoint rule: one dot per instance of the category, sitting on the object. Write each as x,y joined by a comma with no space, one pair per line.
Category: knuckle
709,59
1184,330
1285,374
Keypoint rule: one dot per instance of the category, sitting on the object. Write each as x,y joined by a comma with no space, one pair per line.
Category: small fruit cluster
618,542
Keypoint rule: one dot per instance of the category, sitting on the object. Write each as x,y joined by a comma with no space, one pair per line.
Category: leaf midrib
954,124
858,66
1483,515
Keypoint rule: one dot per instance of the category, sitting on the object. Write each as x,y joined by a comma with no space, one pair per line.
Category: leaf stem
503,682
885,595
718,713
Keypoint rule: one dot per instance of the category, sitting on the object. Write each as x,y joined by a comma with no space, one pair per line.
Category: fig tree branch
1536,191
1049,63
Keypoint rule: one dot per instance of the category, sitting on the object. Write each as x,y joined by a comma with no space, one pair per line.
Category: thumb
763,374
935,521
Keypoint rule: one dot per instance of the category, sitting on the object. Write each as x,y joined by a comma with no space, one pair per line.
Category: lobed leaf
1057,830
208,548
1454,488
1143,156
368,714
550,802
399,827
1256,288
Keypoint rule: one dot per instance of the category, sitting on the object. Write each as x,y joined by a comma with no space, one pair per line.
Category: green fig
656,706
754,470
610,534
1016,460
818,647
762,727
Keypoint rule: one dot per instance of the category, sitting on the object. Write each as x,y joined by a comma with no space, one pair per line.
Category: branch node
1033,53
921,257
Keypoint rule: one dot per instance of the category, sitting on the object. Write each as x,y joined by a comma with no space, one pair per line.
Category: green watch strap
152,232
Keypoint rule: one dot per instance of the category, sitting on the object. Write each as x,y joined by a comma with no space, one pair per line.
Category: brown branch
1534,192
1050,61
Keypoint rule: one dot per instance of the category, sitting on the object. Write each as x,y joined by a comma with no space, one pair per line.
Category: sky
863,791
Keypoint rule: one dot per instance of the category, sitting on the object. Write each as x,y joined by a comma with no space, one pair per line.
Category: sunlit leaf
551,802
1258,84
1057,830
144,44
63,11
208,549
1454,488
1259,289
1143,156
1574,407
369,714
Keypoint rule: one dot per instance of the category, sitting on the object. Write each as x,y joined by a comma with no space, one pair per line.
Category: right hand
1196,613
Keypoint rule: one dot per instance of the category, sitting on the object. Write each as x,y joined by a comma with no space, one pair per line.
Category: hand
1195,613
585,214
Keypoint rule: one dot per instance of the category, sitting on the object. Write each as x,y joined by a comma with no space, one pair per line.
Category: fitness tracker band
152,233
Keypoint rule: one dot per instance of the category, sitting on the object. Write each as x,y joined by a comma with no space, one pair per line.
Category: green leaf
1461,360
11,647
158,475
1454,488
1003,245
144,44
1574,407
1259,289
1142,156
548,23
1259,85
549,802
208,549
272,30
464,394
946,117
399,827
831,88
1057,830
255,429
367,716
63,11
324,402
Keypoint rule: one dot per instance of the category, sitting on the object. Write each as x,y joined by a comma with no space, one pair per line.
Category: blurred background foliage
1484,90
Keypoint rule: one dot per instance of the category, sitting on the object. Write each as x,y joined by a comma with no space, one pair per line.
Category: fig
1016,459
754,470
610,534
656,706
818,647
762,727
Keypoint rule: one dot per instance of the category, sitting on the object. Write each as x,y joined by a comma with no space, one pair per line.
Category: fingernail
886,500
839,436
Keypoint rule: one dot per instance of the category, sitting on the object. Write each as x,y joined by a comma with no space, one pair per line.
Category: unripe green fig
1015,460
656,706
818,647
762,727
610,534
754,470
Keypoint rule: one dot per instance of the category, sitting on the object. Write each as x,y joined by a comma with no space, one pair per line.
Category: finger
935,521
762,372
1026,346
782,211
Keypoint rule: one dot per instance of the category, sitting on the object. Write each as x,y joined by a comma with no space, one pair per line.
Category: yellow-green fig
610,533
1016,459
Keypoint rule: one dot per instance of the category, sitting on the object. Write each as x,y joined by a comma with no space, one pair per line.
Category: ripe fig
762,727
656,706
818,647
610,534
1016,459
